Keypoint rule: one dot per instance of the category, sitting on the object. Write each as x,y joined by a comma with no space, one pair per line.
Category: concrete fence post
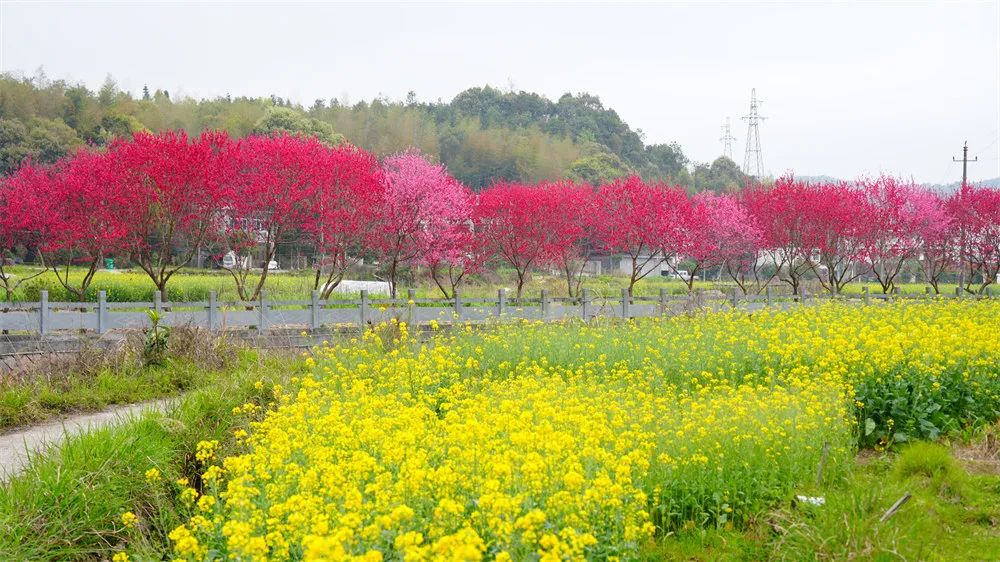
770,296
734,298
43,313
314,310
927,291
958,292
501,302
411,306
868,297
158,302
213,310
802,295
989,292
102,312
664,300
363,309
458,305
626,301
545,304
262,312
585,305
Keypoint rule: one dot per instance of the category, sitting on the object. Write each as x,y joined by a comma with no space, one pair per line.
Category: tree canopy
483,135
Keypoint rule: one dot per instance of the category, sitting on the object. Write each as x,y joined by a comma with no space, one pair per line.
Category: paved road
16,447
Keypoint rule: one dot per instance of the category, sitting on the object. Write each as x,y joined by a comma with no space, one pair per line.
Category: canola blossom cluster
533,441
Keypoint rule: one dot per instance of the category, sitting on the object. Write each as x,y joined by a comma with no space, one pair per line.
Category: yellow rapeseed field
549,442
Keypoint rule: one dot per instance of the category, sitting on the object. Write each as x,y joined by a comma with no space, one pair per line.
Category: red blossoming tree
274,190
421,202
346,212
779,211
571,216
719,232
899,214
937,248
638,220
745,250
976,215
80,217
176,189
23,197
511,219
838,223
453,252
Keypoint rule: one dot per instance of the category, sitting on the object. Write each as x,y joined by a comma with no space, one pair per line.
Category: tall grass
69,502
95,378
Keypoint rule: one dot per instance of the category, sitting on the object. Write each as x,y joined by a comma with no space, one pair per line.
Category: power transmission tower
753,161
727,140
965,162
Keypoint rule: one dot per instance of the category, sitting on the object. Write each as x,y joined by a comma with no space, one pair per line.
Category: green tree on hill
721,176
288,120
598,168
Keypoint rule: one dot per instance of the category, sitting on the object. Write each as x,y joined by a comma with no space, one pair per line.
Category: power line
987,147
753,157
727,140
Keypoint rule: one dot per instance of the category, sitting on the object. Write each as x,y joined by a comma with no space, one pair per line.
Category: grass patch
930,460
68,504
96,379
952,515
191,285
35,401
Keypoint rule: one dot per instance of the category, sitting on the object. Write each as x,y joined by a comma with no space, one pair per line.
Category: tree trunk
392,277
520,282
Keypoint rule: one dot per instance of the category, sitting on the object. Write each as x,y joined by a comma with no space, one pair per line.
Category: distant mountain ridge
939,187
953,186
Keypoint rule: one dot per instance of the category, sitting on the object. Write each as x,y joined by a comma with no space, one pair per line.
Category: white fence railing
45,317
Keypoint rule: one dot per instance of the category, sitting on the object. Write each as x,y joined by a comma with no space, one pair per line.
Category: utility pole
965,162
753,161
727,140
965,178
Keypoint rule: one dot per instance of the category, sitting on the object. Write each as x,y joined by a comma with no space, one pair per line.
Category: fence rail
44,317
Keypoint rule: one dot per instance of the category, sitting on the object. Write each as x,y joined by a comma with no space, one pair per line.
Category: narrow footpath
17,447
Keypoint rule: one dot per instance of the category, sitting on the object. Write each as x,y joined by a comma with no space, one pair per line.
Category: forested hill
482,135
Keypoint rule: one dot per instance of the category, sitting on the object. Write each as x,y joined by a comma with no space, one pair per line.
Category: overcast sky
849,88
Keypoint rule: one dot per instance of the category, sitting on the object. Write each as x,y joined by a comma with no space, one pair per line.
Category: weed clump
932,462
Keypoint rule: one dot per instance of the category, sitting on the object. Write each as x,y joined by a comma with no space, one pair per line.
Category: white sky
849,88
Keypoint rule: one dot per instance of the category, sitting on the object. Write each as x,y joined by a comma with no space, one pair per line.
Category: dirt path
17,447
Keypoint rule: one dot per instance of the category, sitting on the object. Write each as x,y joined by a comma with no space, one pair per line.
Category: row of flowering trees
788,231
160,198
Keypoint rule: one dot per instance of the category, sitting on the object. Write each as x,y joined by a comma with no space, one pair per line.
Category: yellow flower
120,557
188,495
206,503
559,441
185,543
129,519
205,450
153,475
213,474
